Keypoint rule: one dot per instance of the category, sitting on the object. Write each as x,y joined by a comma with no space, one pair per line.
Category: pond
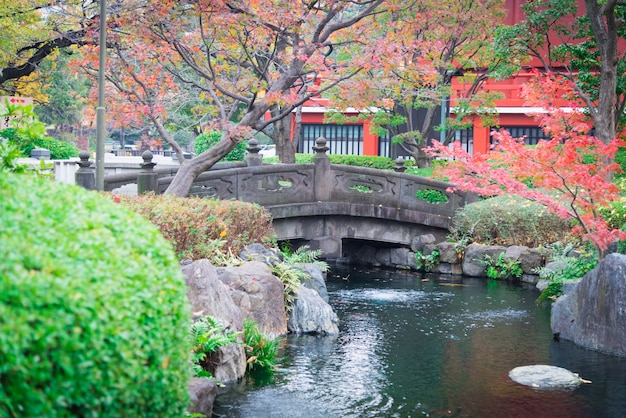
412,346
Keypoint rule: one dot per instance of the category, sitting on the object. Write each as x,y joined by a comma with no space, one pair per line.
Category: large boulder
258,294
310,314
592,313
210,297
202,393
316,278
474,253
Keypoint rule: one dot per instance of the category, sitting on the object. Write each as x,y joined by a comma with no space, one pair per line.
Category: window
341,139
531,134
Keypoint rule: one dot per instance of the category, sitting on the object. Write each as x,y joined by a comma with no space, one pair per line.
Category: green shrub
382,163
431,196
204,228
571,268
508,220
261,351
207,337
427,262
205,141
501,267
94,316
59,150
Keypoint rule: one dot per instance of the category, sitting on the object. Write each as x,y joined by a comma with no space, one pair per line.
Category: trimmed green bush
508,220
205,141
382,163
204,228
94,319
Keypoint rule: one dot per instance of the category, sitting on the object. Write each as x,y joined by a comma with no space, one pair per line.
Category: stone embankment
452,257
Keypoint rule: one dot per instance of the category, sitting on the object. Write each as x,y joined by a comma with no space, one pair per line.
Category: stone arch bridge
322,204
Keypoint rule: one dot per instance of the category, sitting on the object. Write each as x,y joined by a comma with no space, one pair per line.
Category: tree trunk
190,169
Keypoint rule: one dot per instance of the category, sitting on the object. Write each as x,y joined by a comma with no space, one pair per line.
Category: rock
417,244
592,313
228,363
316,279
202,393
542,284
383,257
514,252
447,252
477,252
310,314
258,294
400,257
545,377
530,260
209,296
258,252
552,267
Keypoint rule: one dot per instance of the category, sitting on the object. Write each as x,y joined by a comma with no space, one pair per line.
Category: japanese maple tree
568,174
415,51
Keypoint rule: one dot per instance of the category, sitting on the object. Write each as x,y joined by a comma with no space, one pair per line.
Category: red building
356,138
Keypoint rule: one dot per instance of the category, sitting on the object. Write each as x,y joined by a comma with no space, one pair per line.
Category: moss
93,312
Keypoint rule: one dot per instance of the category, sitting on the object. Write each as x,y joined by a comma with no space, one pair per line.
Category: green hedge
205,141
94,319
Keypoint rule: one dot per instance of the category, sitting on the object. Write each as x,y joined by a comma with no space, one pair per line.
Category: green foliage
59,150
205,141
501,267
431,196
261,351
291,276
508,220
94,315
381,163
303,255
26,132
207,337
427,262
569,268
9,154
361,188
204,228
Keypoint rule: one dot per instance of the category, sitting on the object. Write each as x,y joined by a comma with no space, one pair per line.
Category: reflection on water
409,347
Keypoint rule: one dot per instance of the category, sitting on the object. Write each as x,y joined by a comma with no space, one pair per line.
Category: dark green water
410,347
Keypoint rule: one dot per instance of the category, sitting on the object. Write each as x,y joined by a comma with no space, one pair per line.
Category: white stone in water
545,377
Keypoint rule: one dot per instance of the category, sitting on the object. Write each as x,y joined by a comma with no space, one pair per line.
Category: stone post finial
320,146
400,168
253,158
147,178
85,176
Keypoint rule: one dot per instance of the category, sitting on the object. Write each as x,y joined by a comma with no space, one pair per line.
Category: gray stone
447,252
228,363
316,279
202,393
545,377
258,252
477,252
310,314
428,249
417,244
592,313
258,294
514,252
542,284
383,257
530,260
399,257
209,296
529,278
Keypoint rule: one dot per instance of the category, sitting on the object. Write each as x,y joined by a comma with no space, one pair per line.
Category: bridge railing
292,189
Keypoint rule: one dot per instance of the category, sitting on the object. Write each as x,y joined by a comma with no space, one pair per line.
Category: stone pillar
85,176
253,158
147,179
399,168
323,183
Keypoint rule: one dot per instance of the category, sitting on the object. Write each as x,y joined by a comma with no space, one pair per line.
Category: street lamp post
100,110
